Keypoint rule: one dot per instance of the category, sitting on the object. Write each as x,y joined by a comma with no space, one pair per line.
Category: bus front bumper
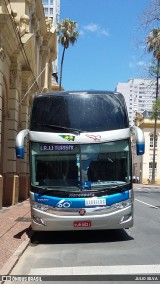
43,221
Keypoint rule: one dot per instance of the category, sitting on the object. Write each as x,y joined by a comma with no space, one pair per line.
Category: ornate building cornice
15,78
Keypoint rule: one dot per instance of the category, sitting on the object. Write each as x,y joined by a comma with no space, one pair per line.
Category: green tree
67,35
153,45
156,109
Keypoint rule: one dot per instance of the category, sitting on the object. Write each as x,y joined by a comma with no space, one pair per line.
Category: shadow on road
69,237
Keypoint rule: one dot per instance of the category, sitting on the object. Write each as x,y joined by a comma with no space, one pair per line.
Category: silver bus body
95,199
86,213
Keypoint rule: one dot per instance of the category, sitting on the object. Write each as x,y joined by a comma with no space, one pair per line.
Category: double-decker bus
80,161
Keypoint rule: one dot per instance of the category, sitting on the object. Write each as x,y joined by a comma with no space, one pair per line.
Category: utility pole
155,125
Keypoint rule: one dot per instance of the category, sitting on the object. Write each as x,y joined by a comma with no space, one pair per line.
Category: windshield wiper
105,187
59,189
73,130
121,187
43,190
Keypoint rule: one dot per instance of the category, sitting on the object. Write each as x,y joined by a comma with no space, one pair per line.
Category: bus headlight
121,205
39,206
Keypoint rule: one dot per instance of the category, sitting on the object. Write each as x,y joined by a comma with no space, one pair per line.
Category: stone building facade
142,165
27,49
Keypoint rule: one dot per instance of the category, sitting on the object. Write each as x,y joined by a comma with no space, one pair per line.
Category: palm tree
153,45
67,34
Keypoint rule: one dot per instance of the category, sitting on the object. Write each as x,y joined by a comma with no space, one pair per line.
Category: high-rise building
139,95
52,9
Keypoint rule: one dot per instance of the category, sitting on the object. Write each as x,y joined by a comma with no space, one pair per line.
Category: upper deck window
87,112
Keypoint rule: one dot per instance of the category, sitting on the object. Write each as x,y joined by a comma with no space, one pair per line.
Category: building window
51,2
150,168
45,2
46,11
151,141
51,11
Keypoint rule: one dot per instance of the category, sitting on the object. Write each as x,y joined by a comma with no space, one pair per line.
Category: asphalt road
112,252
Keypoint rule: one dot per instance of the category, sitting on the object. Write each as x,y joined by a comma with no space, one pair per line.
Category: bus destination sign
53,147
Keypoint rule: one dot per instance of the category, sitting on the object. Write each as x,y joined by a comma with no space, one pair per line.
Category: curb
12,261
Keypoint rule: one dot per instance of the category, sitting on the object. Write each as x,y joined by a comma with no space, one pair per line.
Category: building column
3,99
1,106
10,178
44,64
23,165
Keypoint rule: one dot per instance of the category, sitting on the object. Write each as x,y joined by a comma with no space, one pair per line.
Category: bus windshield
56,113
70,167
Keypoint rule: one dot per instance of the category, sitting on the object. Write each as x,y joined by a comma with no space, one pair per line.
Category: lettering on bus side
51,147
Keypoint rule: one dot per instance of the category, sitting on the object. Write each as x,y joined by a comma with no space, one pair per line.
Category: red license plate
82,224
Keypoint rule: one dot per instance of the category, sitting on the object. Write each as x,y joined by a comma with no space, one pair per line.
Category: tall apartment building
139,95
52,10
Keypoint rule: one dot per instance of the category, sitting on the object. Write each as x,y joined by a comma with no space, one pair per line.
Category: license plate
95,202
82,224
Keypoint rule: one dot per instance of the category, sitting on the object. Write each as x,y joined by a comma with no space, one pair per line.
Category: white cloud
138,63
104,32
141,63
94,28
91,28
131,65
81,32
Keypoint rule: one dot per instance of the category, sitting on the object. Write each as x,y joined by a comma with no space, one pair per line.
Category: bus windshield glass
70,167
58,113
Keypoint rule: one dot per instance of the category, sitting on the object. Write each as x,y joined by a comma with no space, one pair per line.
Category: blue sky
110,47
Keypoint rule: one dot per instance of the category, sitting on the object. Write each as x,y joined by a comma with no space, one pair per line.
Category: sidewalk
15,234
141,185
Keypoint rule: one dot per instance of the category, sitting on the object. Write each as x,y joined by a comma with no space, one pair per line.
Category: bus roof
80,92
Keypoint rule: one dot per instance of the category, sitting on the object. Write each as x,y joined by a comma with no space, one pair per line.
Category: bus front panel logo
63,204
82,212
68,137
